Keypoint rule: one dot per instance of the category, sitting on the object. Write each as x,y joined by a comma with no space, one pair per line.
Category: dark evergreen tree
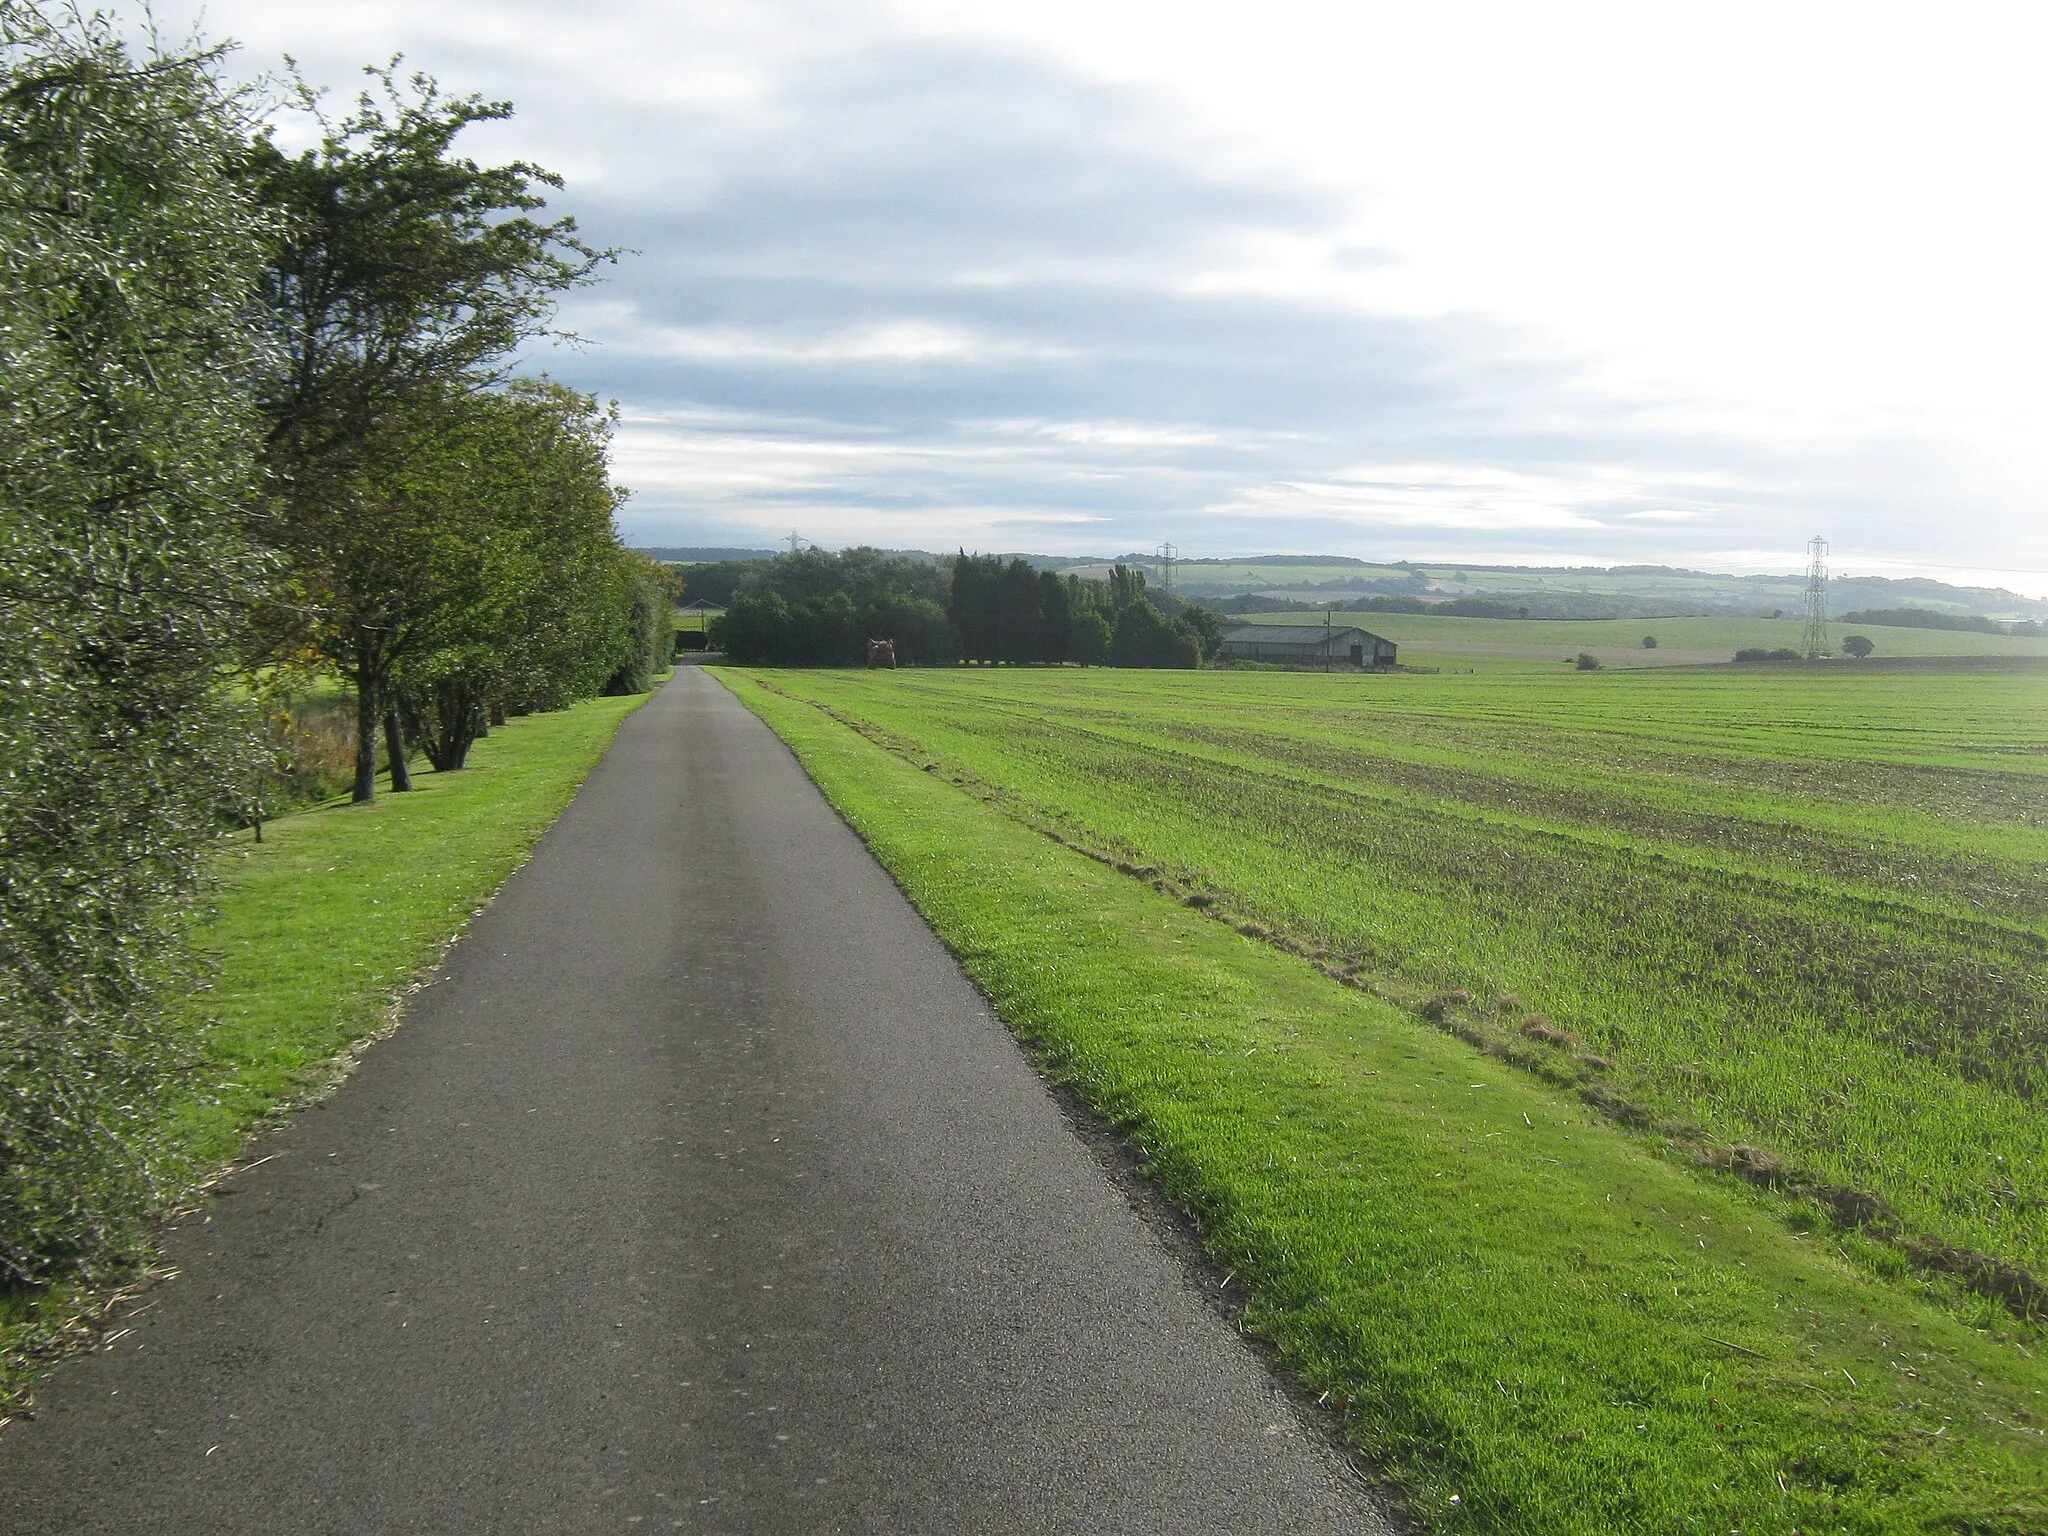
972,605
1018,637
1055,617
1126,586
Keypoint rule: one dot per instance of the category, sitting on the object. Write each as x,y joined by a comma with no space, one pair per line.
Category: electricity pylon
1816,598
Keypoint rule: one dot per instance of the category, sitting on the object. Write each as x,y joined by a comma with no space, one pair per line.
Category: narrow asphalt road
700,1192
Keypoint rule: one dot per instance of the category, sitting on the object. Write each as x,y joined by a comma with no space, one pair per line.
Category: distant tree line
1856,647
1927,618
813,608
258,420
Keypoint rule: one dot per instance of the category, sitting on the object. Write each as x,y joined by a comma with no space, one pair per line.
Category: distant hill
1586,592
1506,591
695,555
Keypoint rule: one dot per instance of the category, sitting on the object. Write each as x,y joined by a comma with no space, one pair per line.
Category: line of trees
257,417
450,533
811,608
1928,618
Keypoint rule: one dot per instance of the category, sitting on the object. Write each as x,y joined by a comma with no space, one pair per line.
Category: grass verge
1537,1322
317,932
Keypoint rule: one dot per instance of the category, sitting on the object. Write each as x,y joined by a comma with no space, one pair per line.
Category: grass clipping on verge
1536,1323
318,933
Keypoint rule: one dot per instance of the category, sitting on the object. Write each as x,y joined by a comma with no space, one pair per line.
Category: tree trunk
394,748
366,738
497,711
460,708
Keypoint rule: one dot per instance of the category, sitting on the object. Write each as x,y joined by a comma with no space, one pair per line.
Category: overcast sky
1566,282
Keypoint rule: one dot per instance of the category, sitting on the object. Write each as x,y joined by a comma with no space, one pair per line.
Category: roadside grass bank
1537,1321
316,933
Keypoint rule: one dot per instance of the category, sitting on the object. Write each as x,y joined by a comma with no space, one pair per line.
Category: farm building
1309,645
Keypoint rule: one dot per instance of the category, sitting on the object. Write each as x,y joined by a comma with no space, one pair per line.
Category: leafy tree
1649,642
403,271
401,566
525,595
812,573
1206,628
1858,646
923,634
1088,638
650,630
763,627
127,456
756,627
718,581
1144,638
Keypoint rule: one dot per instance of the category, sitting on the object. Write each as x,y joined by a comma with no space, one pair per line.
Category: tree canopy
257,419
403,276
817,608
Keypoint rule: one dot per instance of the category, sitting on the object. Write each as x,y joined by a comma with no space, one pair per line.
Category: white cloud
901,341
1424,497
1583,281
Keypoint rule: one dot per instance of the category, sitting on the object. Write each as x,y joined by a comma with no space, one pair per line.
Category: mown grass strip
318,929
322,924
1540,1324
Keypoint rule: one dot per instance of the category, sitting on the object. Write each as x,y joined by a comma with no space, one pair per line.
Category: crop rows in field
1800,914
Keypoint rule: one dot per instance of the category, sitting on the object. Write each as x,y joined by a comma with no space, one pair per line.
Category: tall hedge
126,472
650,628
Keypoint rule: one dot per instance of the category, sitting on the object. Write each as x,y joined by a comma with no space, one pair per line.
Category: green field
1425,638
1756,960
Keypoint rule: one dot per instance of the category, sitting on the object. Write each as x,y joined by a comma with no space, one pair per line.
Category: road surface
703,1192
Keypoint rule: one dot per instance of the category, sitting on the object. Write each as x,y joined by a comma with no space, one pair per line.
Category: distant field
1648,588
1618,642
1254,576
1757,961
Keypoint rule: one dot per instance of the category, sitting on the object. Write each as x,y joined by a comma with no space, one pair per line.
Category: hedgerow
127,461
